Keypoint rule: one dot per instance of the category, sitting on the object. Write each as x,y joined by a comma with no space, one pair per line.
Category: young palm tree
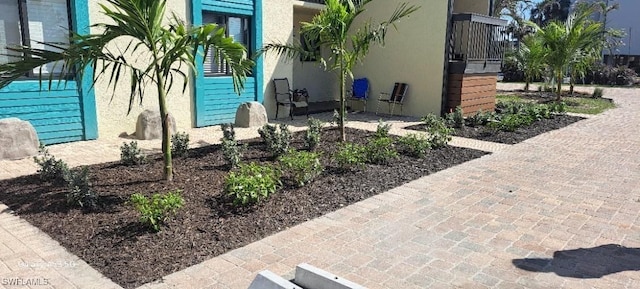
565,42
530,58
169,49
332,28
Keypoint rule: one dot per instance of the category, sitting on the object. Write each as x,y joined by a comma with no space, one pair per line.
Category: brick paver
465,227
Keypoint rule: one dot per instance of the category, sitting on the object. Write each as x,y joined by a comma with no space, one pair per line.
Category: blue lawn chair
360,91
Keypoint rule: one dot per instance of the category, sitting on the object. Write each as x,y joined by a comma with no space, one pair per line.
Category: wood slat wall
473,92
56,114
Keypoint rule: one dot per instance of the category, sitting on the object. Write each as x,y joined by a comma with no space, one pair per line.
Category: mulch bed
523,133
114,242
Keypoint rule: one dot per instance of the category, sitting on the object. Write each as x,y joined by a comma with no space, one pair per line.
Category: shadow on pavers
585,263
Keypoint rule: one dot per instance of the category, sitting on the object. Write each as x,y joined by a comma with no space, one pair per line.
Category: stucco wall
471,6
322,85
277,28
414,54
112,112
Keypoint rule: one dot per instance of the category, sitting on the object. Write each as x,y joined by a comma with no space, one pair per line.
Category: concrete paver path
560,210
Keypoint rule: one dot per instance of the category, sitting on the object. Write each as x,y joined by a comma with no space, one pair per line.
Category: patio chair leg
377,107
277,108
291,111
307,111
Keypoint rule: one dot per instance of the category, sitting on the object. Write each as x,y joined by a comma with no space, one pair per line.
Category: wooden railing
477,43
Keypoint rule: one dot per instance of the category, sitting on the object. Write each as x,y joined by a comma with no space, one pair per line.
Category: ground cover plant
114,240
513,121
580,102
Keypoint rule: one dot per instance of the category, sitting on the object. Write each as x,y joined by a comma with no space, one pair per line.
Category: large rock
18,139
149,125
251,114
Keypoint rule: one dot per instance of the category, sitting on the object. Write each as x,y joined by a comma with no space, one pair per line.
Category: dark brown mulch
115,243
488,134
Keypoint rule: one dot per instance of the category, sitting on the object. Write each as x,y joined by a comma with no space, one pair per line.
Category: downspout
445,76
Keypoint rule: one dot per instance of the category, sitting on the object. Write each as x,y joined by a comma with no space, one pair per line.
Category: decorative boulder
251,114
18,139
149,125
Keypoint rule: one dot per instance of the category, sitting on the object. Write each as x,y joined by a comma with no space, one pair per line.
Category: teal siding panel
39,101
244,7
258,70
16,111
219,101
54,137
37,86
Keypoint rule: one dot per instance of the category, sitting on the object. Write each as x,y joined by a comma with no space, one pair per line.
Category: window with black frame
236,26
32,23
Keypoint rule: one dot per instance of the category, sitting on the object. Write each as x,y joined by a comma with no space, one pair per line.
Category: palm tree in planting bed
171,51
332,28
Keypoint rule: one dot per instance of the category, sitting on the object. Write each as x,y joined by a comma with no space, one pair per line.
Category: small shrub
382,130
511,122
51,170
598,92
455,118
180,144
350,156
380,151
414,145
301,167
231,149
312,136
558,107
335,119
80,193
478,119
276,140
130,154
251,183
156,210
439,133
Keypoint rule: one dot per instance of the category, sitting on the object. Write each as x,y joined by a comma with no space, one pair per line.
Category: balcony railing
477,43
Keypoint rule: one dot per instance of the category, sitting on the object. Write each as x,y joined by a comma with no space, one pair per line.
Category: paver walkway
533,205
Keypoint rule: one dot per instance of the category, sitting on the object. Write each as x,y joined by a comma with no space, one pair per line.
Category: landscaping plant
231,150
479,118
350,156
156,210
130,154
380,150
598,92
312,135
51,169
300,167
164,50
332,28
277,139
251,183
180,144
414,145
382,130
80,193
439,133
455,118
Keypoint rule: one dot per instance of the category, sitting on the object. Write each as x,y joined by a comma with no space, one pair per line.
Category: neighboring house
447,55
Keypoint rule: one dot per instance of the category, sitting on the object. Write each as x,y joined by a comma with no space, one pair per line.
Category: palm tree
530,58
169,49
568,41
332,29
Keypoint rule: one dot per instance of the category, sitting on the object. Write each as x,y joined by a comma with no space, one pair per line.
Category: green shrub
180,144
439,133
380,151
414,145
312,135
251,183
130,154
382,130
300,167
350,156
479,118
511,122
156,210
455,118
231,149
598,92
80,193
276,140
558,107
51,170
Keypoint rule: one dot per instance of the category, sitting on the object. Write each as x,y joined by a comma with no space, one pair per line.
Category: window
237,27
30,23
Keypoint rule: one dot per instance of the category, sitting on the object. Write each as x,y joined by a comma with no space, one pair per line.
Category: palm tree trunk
166,134
559,85
343,135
